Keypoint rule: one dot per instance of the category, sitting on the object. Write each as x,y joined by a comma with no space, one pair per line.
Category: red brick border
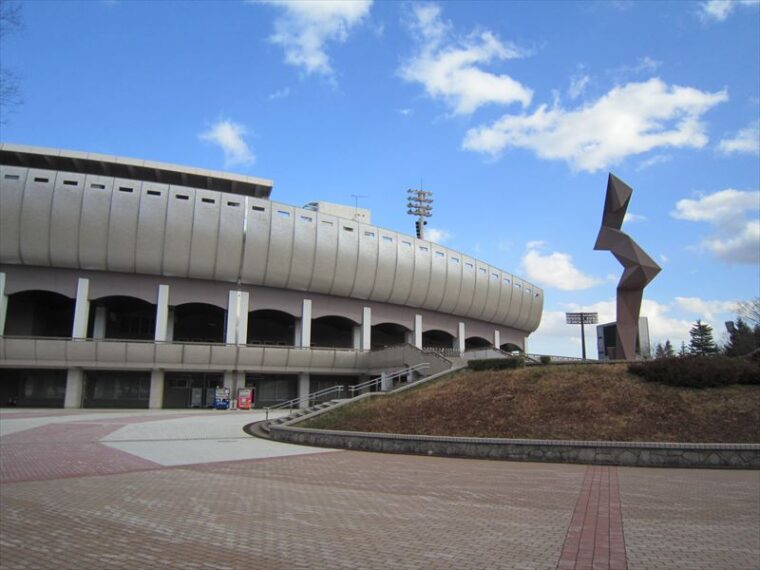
595,539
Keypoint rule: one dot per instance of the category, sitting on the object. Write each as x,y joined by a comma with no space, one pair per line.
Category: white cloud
632,218
229,136
707,310
578,85
629,120
653,161
736,238
436,235
279,94
743,247
554,269
406,112
663,324
720,207
664,258
746,140
719,10
451,68
307,26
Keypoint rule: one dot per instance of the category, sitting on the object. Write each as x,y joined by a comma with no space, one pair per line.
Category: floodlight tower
419,203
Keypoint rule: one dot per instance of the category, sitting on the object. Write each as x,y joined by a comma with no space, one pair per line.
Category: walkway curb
638,454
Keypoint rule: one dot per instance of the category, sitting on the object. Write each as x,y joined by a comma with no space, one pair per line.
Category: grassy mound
592,402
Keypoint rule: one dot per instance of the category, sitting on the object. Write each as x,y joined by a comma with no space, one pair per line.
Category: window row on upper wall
83,221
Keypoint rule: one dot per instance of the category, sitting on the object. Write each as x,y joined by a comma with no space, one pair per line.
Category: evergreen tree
668,349
701,342
682,352
659,351
742,339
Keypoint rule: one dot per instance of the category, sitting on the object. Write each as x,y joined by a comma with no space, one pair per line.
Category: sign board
582,318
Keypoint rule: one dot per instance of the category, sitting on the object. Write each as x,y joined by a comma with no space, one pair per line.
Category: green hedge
496,363
545,359
698,371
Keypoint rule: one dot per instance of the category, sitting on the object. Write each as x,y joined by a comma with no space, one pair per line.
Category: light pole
582,319
419,203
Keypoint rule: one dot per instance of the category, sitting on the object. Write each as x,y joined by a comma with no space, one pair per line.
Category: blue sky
512,113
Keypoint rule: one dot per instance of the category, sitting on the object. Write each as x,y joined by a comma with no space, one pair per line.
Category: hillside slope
593,402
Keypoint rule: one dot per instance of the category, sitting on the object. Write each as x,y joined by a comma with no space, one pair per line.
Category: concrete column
99,326
3,304
306,323
525,345
74,388
356,343
496,339
156,401
297,333
81,309
459,341
237,318
242,318
386,384
304,382
366,340
229,381
418,331
170,325
162,314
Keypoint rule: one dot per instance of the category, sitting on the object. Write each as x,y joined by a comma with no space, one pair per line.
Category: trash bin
245,399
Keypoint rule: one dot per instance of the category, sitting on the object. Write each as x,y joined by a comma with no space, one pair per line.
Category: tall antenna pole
419,203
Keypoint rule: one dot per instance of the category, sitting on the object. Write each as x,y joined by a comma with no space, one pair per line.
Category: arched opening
198,322
437,339
388,334
268,326
121,317
39,313
509,347
476,343
332,332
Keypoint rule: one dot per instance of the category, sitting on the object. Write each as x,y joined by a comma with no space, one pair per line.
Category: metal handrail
375,381
308,398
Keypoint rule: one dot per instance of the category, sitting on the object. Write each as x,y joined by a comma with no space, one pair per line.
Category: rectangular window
233,204
406,243
527,291
455,260
306,218
208,200
182,197
11,176
43,180
517,286
494,275
507,281
387,238
439,254
469,265
283,213
154,193
369,234
125,189
70,183
348,228
424,249
98,186
482,269
258,209
327,222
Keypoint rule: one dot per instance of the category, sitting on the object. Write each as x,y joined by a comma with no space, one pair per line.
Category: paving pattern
126,490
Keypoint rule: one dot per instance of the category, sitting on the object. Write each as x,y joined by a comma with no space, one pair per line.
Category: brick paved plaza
178,489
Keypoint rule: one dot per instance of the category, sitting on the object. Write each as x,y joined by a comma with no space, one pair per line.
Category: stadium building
131,283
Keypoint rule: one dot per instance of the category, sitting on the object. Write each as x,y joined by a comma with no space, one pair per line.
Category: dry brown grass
593,402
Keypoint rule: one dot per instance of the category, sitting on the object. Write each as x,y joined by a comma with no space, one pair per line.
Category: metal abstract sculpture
639,268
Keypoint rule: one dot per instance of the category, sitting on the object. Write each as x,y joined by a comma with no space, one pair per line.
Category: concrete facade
158,267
